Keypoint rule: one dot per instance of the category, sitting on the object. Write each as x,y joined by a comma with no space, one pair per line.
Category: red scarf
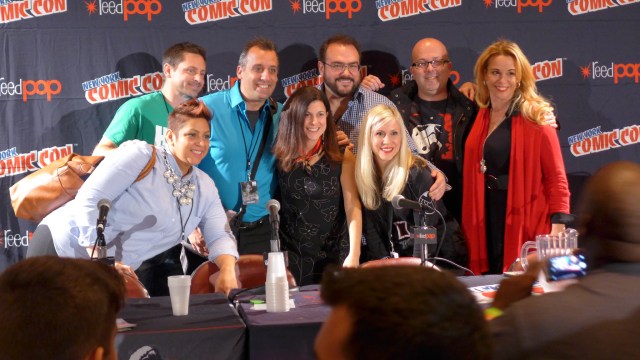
537,188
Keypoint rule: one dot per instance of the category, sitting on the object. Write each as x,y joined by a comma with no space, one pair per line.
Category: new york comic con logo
595,140
581,7
14,10
327,7
616,71
203,11
30,88
12,163
111,87
519,4
126,8
397,9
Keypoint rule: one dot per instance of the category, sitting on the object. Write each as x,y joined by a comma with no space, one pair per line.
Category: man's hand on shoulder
372,82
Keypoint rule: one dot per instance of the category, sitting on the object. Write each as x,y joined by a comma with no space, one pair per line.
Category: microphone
104,206
399,202
273,206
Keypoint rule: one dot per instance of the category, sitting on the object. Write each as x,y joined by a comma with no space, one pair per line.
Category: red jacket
537,188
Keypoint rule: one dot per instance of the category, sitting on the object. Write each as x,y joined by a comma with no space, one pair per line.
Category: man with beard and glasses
339,65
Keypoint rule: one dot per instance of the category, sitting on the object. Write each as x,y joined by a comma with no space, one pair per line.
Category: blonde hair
532,105
373,186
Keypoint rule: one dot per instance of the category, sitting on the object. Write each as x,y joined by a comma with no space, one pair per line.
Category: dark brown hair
174,55
291,134
58,308
259,42
407,312
341,39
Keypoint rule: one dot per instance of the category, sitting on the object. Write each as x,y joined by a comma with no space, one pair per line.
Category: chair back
401,261
250,273
134,288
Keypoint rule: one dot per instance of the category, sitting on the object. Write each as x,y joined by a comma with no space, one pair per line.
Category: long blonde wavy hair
526,98
373,186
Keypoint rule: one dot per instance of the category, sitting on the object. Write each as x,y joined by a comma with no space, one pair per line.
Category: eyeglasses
339,67
422,65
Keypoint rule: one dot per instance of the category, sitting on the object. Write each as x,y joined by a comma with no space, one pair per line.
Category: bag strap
150,164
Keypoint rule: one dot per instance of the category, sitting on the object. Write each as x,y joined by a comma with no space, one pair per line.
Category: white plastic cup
179,286
277,287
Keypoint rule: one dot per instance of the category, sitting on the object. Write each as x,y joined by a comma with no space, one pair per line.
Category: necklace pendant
483,166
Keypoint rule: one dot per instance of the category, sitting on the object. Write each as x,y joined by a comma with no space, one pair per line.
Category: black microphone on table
273,206
104,205
399,202
423,236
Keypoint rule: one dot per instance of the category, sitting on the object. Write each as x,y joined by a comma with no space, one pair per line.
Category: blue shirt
232,143
144,219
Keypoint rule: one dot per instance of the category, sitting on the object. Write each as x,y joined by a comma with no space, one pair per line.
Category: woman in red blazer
515,185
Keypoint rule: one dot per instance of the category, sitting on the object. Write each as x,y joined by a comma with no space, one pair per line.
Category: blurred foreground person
55,308
597,318
400,312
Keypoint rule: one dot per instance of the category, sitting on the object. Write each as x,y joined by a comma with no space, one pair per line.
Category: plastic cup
277,287
179,287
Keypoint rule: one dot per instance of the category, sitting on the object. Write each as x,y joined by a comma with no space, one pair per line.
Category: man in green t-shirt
145,118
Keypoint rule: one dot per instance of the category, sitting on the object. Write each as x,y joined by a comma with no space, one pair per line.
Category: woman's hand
351,261
125,270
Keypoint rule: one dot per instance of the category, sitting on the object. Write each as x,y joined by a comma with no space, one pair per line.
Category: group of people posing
335,156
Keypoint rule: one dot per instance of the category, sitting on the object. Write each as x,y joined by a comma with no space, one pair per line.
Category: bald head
431,46
610,212
431,80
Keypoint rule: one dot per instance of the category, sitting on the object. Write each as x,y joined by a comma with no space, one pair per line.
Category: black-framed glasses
340,67
422,65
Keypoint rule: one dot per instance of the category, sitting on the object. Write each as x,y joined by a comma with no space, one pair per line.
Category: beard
340,91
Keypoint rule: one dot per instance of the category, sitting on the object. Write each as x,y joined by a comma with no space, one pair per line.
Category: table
212,330
286,335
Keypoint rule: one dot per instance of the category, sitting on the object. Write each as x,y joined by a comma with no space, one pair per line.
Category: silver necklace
182,191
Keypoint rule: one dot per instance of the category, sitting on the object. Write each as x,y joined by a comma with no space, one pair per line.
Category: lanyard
252,146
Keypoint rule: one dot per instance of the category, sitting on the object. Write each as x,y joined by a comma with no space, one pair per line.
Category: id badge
249,190
394,254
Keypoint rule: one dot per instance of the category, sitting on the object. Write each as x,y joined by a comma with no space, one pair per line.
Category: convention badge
249,190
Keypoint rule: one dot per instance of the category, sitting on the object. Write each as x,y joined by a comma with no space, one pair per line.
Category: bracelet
492,313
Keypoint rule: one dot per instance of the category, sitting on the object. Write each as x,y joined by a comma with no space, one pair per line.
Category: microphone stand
100,247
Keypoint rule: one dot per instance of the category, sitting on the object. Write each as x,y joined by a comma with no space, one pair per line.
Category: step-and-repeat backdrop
67,65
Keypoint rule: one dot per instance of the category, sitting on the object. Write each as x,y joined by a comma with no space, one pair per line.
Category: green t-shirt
142,118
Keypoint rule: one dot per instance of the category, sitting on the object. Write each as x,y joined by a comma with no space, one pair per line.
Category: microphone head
273,202
104,202
396,201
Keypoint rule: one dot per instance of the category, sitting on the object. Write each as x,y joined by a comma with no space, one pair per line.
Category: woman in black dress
321,220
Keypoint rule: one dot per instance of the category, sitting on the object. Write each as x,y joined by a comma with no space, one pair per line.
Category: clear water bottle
277,287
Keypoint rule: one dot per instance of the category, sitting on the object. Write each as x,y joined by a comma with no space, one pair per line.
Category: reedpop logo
613,70
327,7
9,239
28,88
126,8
